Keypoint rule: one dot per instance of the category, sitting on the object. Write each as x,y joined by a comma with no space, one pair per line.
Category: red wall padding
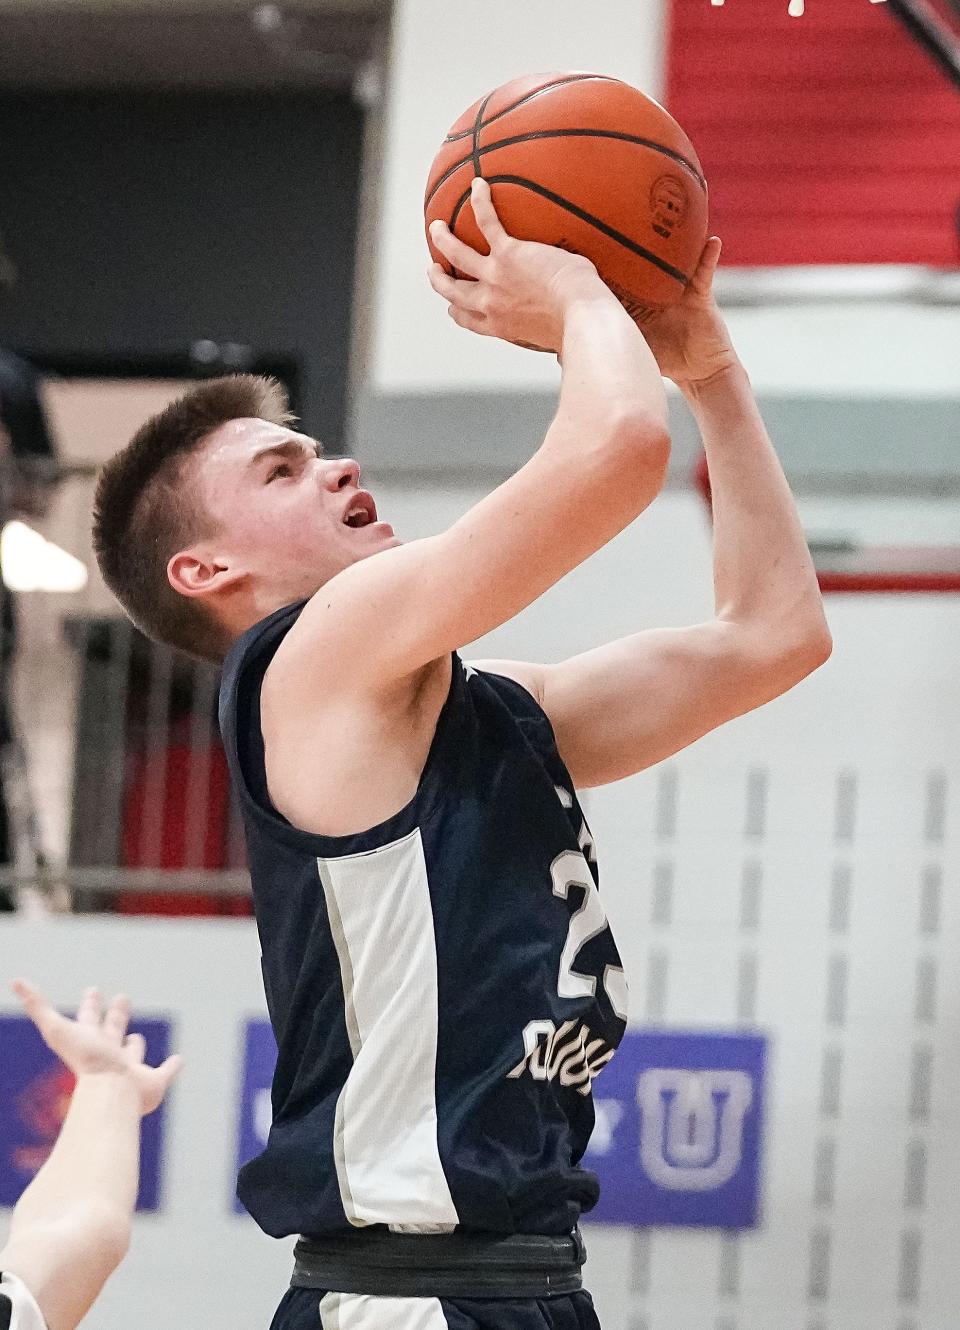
830,138
177,761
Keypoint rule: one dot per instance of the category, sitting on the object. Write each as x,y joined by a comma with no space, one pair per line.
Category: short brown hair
143,513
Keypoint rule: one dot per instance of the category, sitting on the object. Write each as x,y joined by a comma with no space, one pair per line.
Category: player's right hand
97,1043
520,291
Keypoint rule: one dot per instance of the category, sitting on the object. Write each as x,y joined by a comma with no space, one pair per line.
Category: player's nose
339,472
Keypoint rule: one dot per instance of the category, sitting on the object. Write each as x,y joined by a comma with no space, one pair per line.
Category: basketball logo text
668,204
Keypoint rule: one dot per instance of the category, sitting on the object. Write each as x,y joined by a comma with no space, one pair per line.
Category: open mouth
361,511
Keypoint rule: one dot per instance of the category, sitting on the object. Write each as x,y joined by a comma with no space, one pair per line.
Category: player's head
218,512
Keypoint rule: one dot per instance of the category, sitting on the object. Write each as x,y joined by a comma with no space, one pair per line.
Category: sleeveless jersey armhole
240,724
530,714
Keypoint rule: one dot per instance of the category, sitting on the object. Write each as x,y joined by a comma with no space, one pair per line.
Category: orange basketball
585,162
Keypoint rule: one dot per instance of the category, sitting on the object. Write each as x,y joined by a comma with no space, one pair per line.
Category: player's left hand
97,1042
690,339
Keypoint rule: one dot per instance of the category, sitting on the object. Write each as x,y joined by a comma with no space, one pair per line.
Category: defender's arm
71,1227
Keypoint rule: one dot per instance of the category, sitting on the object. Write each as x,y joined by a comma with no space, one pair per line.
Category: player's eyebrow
291,449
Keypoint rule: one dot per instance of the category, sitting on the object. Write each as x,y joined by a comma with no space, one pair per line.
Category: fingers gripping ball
586,163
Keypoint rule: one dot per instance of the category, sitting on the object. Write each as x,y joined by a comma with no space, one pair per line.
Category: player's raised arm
601,463
71,1227
633,702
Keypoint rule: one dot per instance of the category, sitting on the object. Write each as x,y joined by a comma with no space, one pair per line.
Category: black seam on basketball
452,223
476,135
585,216
620,135
528,97
458,208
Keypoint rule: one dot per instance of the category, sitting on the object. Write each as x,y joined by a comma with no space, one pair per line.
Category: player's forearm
95,1160
763,573
609,374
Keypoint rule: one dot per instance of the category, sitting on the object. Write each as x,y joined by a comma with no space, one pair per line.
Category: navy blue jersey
443,987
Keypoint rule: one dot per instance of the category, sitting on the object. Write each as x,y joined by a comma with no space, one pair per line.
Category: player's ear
198,572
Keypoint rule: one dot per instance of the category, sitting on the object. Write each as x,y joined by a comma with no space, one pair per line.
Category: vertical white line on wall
640,1262
919,1106
661,906
655,999
749,912
820,1256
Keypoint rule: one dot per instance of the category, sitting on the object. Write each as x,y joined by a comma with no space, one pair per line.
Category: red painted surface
831,138
171,768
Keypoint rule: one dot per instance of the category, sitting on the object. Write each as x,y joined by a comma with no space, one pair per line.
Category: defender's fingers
35,1004
481,201
457,291
452,247
88,1012
137,1045
169,1069
118,1017
38,1007
28,993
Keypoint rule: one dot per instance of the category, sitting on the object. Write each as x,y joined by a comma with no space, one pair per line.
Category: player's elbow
793,656
817,645
640,439
116,1239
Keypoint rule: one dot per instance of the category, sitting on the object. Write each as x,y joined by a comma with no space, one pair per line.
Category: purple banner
678,1134
36,1095
259,1060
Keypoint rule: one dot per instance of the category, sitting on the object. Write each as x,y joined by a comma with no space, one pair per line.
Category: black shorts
311,1309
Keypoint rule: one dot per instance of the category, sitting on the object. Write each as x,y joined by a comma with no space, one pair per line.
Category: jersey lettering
570,869
571,1054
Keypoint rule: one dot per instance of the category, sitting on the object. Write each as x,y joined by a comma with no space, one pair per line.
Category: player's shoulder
339,638
253,651
18,1306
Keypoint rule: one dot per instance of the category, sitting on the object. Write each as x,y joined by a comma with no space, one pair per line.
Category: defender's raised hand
97,1041
520,291
690,339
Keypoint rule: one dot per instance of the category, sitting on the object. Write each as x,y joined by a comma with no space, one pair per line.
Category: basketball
587,163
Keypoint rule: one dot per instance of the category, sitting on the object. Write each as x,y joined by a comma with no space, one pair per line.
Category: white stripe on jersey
358,1311
25,1314
386,1151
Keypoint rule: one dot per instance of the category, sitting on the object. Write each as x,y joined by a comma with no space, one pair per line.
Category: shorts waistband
431,1265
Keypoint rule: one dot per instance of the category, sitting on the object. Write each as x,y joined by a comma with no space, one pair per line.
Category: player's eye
282,469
